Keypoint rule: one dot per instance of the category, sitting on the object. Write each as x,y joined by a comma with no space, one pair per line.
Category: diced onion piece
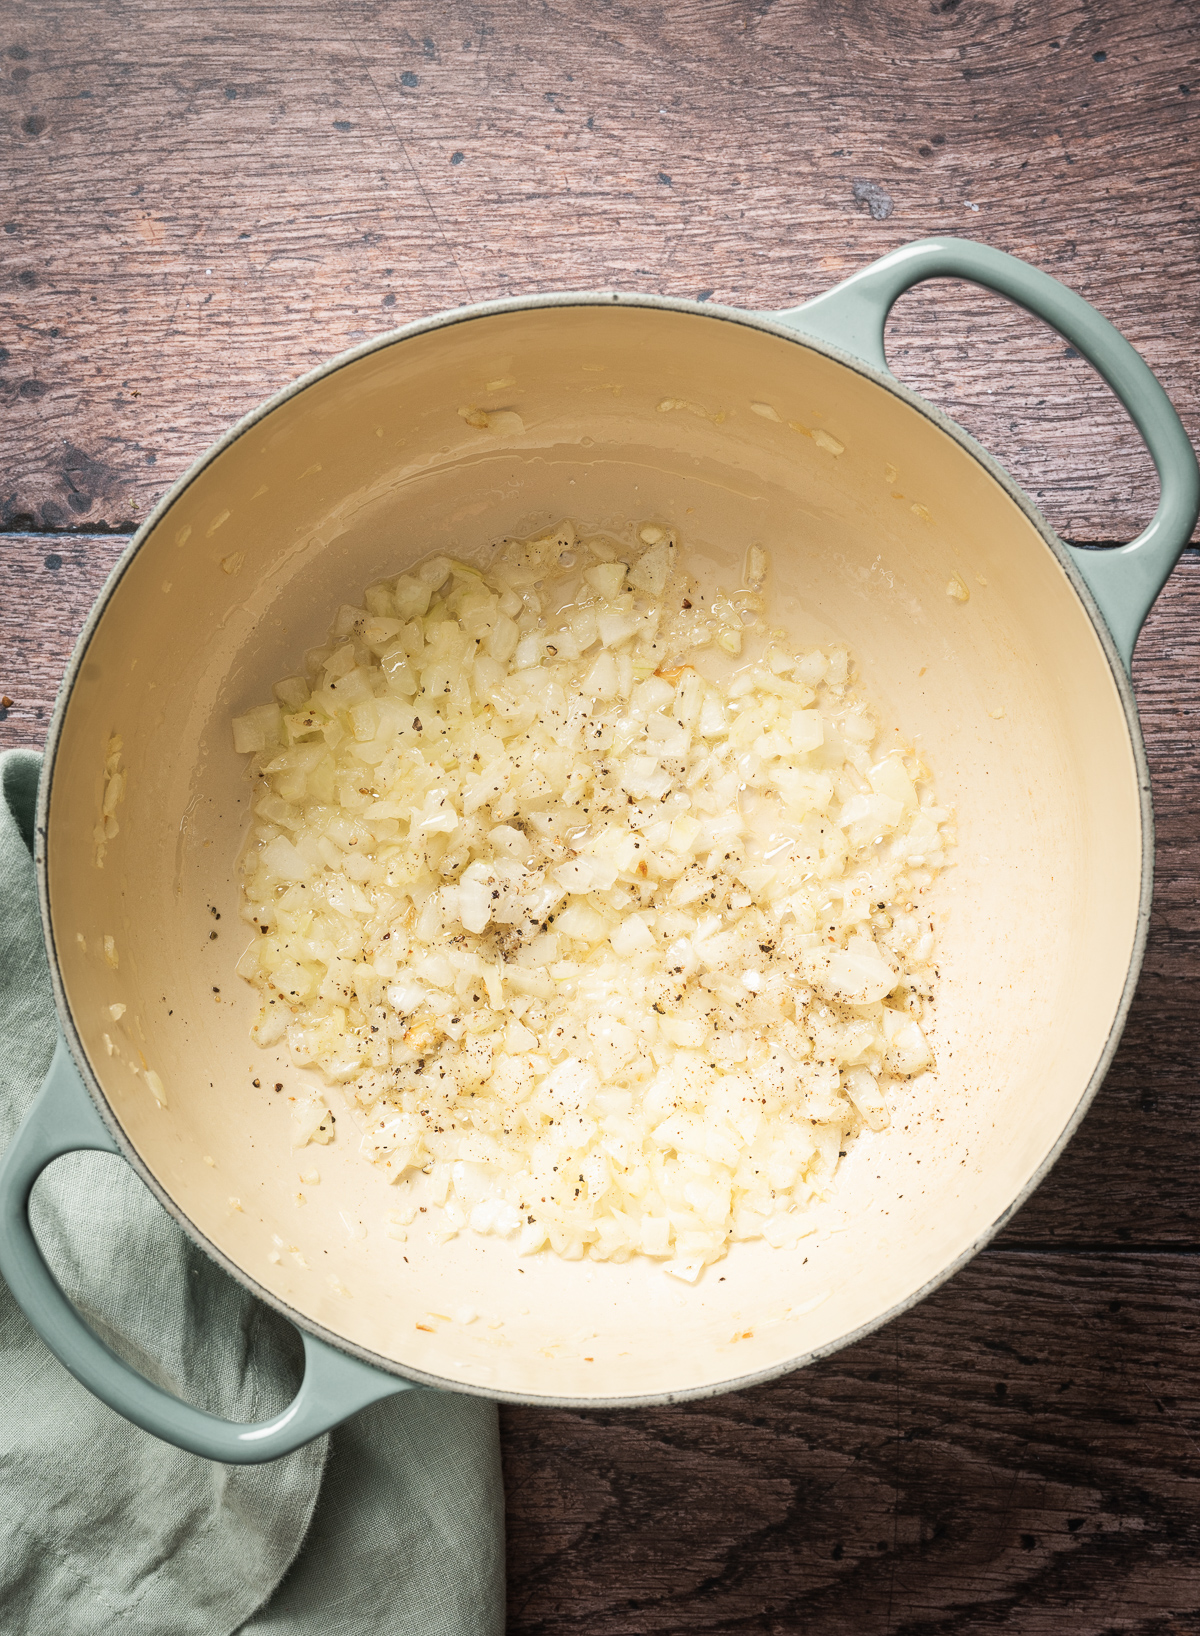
608,578
257,729
863,1090
890,778
311,1122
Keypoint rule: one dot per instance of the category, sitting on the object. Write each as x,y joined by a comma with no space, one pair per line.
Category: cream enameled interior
372,467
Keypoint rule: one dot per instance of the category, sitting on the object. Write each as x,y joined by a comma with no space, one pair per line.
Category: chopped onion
611,947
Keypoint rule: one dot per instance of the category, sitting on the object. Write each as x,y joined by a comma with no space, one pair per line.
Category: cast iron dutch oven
619,405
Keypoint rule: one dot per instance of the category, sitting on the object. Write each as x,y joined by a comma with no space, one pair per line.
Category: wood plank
1129,1176
1019,1452
50,583
204,204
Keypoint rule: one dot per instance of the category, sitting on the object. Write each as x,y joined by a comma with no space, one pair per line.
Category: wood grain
1020,1453
47,586
205,203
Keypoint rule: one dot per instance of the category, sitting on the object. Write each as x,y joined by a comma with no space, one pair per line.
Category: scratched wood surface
202,203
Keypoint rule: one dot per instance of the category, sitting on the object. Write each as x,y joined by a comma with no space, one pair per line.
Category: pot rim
772,324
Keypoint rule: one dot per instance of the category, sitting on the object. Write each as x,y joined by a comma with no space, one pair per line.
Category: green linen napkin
390,1526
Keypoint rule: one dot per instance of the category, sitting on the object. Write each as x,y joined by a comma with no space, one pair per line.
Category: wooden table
206,201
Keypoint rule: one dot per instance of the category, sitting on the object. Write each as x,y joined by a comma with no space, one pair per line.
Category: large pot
367,464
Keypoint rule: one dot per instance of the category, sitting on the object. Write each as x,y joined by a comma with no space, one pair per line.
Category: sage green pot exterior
1117,587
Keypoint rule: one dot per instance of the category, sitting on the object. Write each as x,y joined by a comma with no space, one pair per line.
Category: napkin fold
392,1525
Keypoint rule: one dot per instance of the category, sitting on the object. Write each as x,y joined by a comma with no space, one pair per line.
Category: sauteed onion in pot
601,902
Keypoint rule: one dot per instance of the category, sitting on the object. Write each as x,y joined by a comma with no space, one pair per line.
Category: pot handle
64,1119
1124,579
